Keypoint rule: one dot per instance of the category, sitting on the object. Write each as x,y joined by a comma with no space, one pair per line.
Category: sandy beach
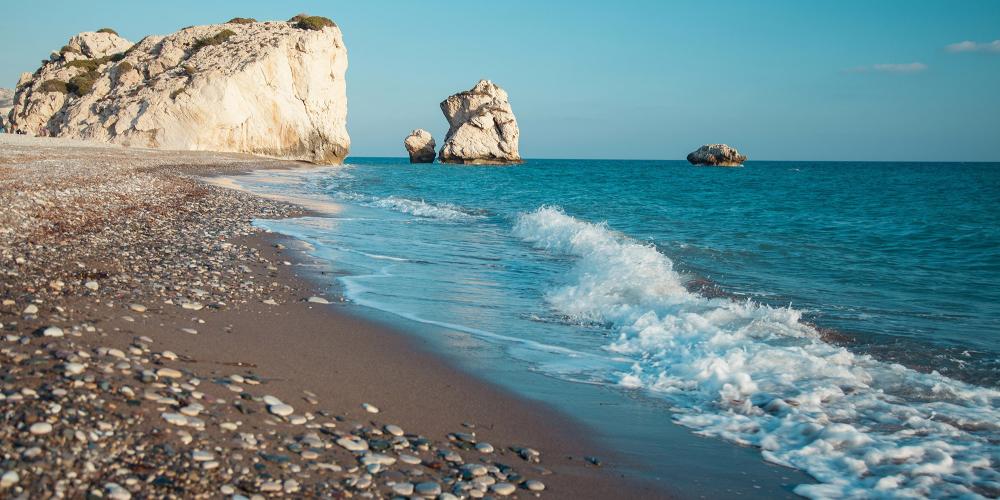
156,344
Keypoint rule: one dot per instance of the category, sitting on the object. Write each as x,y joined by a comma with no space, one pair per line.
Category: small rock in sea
40,428
281,410
318,300
139,308
503,489
395,430
593,460
534,485
9,478
369,408
428,489
53,331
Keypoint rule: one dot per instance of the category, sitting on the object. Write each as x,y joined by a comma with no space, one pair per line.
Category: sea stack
482,128
717,155
268,88
420,145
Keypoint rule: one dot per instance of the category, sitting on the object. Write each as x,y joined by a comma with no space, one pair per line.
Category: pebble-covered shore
93,240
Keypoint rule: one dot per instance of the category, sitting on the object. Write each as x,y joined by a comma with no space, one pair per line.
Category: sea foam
757,375
419,208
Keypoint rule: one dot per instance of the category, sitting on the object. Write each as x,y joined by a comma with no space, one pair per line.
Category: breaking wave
757,375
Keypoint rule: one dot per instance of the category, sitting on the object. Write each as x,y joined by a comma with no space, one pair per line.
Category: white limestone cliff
267,88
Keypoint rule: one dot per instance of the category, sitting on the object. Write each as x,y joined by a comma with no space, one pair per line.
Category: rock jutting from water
420,146
266,88
717,155
482,127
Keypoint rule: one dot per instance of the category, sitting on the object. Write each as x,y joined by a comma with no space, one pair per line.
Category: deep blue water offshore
843,318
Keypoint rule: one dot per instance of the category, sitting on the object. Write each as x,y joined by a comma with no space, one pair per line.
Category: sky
779,80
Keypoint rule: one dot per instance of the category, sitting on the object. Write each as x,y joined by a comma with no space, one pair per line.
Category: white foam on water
756,375
419,208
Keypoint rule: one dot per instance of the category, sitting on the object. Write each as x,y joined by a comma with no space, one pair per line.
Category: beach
156,343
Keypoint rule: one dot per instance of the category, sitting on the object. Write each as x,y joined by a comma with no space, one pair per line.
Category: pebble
534,485
9,478
53,331
74,368
370,408
503,489
484,448
139,308
169,373
428,489
318,300
404,489
353,443
395,430
40,428
191,331
92,285
31,309
409,459
202,456
281,410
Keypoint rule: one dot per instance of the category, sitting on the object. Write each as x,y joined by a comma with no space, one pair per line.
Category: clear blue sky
781,80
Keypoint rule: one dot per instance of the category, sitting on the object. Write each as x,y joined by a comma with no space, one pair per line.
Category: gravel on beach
94,239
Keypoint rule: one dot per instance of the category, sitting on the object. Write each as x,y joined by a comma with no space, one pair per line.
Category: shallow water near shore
838,318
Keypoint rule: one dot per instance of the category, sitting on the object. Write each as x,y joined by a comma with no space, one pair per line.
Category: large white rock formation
482,128
420,145
267,88
719,155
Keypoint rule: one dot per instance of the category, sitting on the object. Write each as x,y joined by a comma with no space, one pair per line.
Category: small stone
428,489
191,331
139,308
227,489
270,302
40,428
503,489
202,456
53,331
170,355
92,285
395,430
270,487
404,489
31,309
370,408
534,485
409,459
9,478
318,300
281,410
74,368
353,443
484,448
168,373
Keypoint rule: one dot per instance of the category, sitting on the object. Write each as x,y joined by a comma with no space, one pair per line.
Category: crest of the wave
756,375
419,208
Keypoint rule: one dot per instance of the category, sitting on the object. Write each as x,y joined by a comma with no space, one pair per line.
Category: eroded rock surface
420,145
482,127
267,88
720,155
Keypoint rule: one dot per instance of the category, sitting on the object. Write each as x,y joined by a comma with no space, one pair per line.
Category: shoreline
137,322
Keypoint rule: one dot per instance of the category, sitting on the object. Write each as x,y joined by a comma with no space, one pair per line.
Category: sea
833,324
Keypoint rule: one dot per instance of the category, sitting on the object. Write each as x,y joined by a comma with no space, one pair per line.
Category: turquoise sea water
842,318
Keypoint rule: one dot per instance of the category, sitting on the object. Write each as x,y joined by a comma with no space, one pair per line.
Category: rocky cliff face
267,88
482,128
6,103
719,155
420,145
